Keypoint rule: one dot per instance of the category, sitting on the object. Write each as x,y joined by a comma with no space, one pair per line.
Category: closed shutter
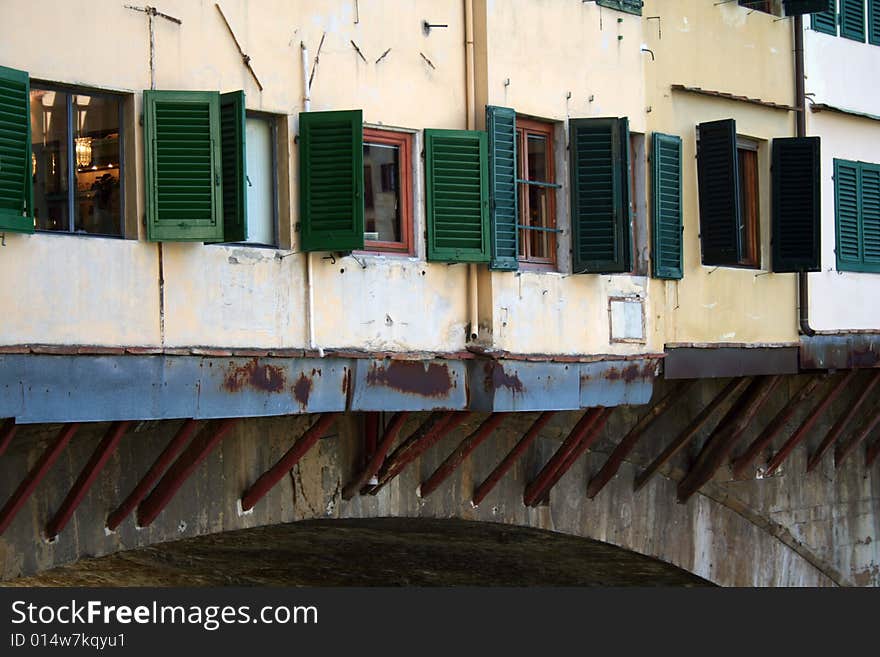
666,189
601,233
849,234
825,21
503,197
801,7
16,182
874,22
718,180
456,191
852,19
183,166
331,175
629,6
796,204
233,148
871,216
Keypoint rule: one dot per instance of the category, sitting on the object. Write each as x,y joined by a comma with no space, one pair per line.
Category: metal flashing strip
729,96
822,107
717,362
823,352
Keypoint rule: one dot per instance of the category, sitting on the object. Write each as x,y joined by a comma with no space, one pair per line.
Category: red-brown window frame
404,141
525,127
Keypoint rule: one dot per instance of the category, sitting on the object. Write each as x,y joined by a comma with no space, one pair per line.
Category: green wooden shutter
456,191
331,180
629,6
16,181
719,193
825,21
666,190
847,212
797,204
233,147
870,193
503,197
801,7
183,166
852,19
601,238
874,22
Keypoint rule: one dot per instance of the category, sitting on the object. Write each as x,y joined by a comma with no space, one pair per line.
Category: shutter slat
852,19
234,152
846,188
718,193
874,22
16,182
331,158
667,228
796,204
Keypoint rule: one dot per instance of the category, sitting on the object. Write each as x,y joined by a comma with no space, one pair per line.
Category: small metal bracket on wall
426,26
659,28
151,12
2,239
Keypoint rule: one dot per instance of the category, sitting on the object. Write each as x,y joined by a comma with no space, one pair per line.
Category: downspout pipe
310,289
801,117
470,85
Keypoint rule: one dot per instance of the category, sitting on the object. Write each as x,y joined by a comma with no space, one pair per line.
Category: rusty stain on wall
268,378
302,389
497,377
411,377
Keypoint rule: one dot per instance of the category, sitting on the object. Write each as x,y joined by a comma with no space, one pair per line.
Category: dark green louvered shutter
456,193
331,173
503,197
629,6
874,22
852,19
666,188
601,235
801,7
870,192
797,207
847,212
16,182
825,21
233,147
183,166
718,181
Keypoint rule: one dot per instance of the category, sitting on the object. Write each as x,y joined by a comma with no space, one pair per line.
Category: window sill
66,233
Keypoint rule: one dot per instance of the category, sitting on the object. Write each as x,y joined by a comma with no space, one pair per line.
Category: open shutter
503,206
233,147
331,175
456,190
16,181
826,21
666,188
599,199
183,166
852,19
846,202
874,22
629,6
719,193
801,7
871,217
796,204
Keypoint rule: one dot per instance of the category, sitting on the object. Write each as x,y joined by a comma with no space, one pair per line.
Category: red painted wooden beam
196,452
872,453
464,449
508,461
742,462
156,470
732,389
802,431
413,447
378,456
35,476
864,431
717,448
300,448
837,430
87,477
615,460
7,433
580,430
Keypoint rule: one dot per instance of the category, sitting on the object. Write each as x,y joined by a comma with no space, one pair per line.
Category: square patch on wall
627,318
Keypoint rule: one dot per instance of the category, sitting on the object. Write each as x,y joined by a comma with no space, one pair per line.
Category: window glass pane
538,158
539,211
49,140
382,193
97,156
260,182
748,190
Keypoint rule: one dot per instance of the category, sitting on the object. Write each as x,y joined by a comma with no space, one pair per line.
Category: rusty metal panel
523,386
718,362
822,352
616,383
409,385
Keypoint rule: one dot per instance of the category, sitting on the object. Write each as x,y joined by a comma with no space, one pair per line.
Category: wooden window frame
524,128
404,141
750,203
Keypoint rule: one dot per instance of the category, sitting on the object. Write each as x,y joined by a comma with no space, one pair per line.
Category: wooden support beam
535,487
802,431
872,453
378,456
87,477
172,449
196,452
615,460
508,461
371,436
731,390
35,476
464,449
837,430
717,447
844,450
291,457
7,433
416,445
742,462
